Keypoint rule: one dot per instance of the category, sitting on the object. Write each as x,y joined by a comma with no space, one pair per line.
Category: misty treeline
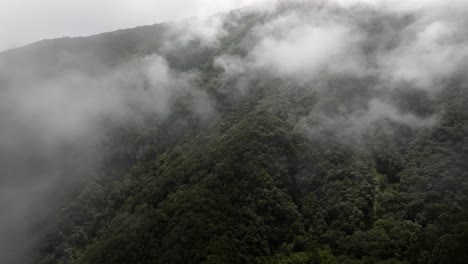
285,132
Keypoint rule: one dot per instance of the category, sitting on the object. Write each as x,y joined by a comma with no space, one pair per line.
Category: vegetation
253,189
268,181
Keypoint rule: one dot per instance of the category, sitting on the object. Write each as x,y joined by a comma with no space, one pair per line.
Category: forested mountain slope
297,133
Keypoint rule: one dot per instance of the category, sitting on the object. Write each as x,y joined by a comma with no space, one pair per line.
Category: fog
54,111
53,127
377,46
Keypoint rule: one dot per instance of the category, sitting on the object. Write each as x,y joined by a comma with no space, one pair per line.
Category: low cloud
418,46
307,50
433,52
53,127
293,46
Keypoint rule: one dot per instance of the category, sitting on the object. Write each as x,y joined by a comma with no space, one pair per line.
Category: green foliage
253,186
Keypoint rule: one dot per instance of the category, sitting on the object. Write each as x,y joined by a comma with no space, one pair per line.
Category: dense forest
303,133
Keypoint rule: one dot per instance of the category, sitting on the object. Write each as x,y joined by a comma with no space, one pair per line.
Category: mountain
301,132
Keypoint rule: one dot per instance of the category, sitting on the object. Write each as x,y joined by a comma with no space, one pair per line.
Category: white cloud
300,47
306,50
434,47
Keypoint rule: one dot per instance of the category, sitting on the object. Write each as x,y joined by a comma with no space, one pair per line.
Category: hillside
297,133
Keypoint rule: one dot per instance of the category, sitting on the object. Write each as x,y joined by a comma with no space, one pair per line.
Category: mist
56,107
54,126
382,48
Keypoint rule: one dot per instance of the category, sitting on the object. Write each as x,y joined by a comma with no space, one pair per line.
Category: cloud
432,53
300,47
385,46
359,126
378,110
206,31
69,102
53,129
306,50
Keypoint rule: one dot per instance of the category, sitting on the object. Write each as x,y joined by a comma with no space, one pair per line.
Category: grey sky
26,21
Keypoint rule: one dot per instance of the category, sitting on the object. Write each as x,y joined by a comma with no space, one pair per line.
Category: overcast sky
26,21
